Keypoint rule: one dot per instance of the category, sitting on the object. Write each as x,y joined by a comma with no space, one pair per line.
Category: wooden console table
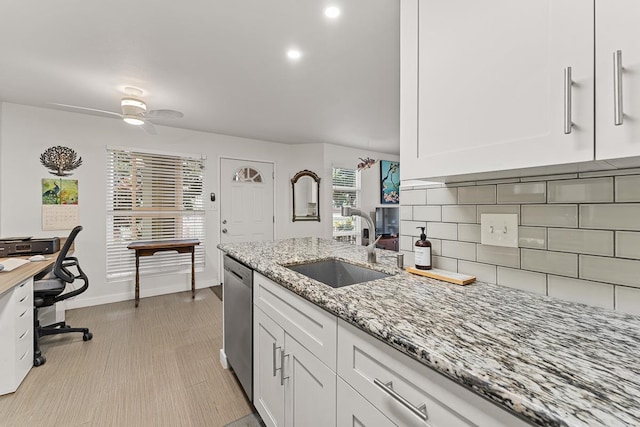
182,246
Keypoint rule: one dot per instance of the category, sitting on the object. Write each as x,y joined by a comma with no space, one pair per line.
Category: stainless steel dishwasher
238,321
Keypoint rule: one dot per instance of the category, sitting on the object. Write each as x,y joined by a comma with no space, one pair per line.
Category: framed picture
389,182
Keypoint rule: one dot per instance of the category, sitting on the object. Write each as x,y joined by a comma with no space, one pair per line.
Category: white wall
26,132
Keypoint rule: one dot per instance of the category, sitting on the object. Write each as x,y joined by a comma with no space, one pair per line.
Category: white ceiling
221,62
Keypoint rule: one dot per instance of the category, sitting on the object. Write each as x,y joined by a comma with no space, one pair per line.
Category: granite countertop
553,362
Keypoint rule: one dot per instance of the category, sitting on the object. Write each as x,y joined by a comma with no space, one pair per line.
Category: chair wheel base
39,361
87,336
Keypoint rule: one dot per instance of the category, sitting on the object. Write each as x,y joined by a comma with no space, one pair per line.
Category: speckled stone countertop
553,362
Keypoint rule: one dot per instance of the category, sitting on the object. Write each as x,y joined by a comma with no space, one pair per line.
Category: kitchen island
550,361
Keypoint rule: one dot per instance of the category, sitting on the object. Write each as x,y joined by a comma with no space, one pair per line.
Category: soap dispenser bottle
423,252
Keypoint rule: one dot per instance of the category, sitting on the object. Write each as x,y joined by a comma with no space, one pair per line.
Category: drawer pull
24,355
618,110
420,411
23,334
274,358
282,377
23,313
23,298
568,83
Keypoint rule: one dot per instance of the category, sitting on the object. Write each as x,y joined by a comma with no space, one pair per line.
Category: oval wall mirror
306,196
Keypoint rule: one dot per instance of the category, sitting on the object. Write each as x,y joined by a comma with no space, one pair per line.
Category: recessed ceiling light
331,12
294,54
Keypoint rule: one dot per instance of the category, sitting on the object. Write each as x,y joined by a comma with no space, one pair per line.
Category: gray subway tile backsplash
529,192
414,197
532,237
442,230
550,215
560,263
442,196
469,233
592,190
583,291
622,216
610,270
523,280
427,213
458,213
594,242
498,255
460,250
579,237
628,188
481,194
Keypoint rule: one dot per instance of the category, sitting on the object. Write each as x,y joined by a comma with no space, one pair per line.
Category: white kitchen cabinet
408,392
355,411
16,335
483,85
294,358
268,392
617,30
310,388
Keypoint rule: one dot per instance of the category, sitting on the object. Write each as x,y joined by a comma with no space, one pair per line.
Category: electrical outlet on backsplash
578,234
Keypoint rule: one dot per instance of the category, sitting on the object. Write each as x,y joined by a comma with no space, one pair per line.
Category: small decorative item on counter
423,252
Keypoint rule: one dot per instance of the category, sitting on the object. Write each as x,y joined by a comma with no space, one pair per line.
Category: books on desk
12,263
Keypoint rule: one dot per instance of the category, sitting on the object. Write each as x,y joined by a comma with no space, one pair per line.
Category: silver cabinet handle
224,221
568,83
618,109
420,411
224,230
282,377
274,358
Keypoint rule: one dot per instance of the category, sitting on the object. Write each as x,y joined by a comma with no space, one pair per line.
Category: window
346,191
153,197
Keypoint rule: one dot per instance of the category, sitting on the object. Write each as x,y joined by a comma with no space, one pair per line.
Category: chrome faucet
371,247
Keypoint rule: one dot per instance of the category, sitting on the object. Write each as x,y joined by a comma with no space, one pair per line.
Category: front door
246,201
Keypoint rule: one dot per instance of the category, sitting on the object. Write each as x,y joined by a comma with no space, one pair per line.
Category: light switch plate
499,230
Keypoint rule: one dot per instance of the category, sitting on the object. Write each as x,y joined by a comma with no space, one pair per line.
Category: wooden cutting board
446,276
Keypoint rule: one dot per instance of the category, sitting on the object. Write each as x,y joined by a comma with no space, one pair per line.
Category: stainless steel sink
337,273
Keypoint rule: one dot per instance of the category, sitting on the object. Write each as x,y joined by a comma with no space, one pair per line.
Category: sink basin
337,273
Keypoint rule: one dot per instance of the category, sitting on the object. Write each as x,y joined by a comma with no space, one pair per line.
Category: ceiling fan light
133,102
133,120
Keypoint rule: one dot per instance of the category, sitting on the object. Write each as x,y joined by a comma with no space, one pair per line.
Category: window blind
153,197
346,191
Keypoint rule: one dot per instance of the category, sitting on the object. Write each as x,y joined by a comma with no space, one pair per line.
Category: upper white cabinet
618,80
485,85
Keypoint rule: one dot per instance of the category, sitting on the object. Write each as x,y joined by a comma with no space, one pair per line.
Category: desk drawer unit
16,335
408,392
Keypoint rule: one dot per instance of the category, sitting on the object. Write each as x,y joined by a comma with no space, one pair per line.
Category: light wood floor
157,365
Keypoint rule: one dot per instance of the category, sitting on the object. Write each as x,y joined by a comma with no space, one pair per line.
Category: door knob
224,230
224,221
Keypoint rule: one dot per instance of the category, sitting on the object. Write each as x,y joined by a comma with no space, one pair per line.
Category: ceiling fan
134,111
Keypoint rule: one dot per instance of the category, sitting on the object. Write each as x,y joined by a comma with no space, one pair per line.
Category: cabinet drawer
24,357
23,293
363,359
307,323
355,411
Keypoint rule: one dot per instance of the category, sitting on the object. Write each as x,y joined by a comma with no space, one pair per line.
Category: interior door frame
219,210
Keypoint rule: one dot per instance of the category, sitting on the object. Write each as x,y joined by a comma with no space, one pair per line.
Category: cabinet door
355,411
489,90
310,388
617,29
268,392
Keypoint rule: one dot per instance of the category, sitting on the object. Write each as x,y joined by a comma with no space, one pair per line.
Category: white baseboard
223,359
80,302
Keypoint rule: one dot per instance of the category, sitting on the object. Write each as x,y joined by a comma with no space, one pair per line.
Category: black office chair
49,289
